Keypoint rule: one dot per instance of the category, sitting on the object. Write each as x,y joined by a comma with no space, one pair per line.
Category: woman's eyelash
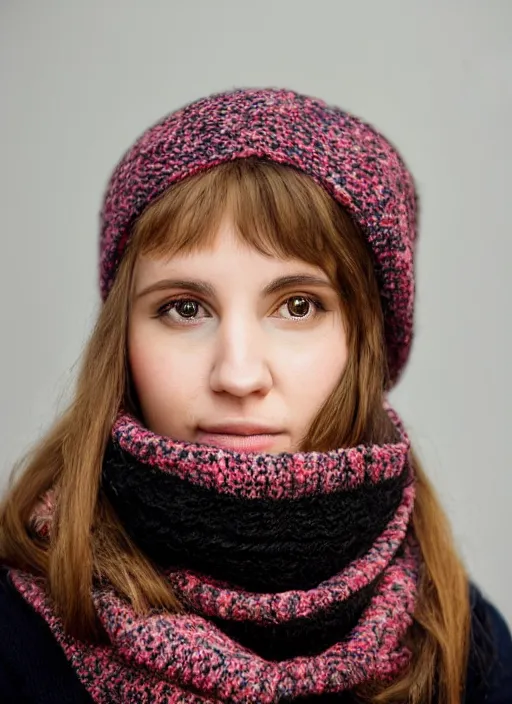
169,305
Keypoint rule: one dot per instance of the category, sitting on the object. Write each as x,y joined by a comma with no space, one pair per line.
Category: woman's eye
181,309
301,307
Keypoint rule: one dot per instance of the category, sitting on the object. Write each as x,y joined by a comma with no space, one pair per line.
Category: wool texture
349,158
304,587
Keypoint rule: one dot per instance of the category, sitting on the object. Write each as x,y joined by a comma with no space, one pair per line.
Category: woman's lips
241,443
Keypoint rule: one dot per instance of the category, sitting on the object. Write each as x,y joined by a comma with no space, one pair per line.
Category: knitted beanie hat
349,158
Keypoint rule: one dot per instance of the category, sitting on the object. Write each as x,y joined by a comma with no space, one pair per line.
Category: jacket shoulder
33,667
490,660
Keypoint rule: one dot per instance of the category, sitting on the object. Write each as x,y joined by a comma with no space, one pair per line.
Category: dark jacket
34,669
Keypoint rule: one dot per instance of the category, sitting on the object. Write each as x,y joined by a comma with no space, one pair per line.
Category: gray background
81,80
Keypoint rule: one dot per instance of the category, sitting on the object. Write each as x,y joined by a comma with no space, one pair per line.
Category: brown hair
279,211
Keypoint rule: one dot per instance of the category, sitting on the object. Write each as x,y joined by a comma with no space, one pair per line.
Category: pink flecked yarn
193,657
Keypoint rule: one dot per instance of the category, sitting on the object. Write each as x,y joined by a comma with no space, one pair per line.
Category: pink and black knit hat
346,156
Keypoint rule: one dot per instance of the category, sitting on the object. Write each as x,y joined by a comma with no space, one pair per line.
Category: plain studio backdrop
81,80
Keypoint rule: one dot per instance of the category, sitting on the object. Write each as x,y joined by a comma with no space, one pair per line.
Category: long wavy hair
283,212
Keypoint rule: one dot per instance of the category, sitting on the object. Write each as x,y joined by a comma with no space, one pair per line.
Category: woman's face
232,348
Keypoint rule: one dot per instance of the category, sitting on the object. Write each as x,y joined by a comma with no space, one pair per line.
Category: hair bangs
275,209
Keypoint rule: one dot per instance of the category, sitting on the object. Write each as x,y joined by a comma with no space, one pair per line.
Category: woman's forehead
224,257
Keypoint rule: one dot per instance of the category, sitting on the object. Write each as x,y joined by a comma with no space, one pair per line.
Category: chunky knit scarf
298,572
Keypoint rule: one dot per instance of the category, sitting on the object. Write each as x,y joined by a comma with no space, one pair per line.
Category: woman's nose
241,363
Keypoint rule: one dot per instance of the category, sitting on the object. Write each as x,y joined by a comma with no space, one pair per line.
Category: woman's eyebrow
206,289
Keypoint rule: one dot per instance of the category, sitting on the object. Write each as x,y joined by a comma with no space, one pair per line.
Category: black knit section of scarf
260,545
304,636
301,636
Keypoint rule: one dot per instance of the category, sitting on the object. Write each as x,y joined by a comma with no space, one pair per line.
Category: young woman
230,510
